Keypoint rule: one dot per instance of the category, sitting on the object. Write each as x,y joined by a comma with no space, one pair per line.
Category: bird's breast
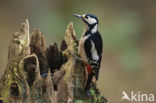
81,49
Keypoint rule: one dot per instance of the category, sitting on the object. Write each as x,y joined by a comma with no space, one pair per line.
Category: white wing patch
94,52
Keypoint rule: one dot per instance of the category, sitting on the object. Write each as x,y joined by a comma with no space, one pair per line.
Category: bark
39,74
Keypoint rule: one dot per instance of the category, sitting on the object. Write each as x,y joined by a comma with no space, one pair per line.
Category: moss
72,83
79,101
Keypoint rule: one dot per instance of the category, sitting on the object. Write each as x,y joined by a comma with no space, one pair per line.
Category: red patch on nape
89,69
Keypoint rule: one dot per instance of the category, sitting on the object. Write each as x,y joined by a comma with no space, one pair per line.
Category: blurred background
128,28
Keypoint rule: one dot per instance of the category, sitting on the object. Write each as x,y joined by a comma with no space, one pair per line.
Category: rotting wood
29,58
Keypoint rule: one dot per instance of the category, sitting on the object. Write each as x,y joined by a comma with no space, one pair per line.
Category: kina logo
137,97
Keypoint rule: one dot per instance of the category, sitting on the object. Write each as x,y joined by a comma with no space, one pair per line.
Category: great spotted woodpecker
90,47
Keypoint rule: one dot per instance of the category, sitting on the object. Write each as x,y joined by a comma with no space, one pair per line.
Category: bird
90,47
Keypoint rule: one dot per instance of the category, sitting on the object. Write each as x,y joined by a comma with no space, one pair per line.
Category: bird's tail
89,80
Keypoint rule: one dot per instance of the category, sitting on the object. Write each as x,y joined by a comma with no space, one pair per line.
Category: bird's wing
97,39
95,55
87,47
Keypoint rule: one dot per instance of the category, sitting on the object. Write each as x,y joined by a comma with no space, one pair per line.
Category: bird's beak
78,16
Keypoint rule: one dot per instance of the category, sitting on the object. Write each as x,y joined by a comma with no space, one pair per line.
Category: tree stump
39,74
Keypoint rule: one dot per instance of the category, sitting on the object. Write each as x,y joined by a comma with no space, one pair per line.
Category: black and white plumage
90,46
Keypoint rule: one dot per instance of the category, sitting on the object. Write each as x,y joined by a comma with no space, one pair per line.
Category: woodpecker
90,47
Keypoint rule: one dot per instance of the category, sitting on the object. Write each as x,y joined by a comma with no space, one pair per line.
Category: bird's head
88,19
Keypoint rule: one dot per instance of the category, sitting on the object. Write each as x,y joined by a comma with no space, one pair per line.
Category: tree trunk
39,74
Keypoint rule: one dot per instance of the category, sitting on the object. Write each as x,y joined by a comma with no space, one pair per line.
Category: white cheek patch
91,20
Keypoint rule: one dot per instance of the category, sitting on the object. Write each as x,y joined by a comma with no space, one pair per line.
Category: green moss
79,101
